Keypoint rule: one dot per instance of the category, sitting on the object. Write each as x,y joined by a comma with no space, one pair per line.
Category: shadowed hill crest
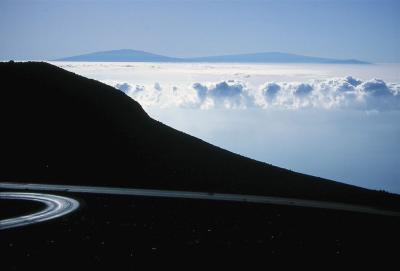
59,127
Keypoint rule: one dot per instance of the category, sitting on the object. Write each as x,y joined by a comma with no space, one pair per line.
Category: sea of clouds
335,121
345,92
243,86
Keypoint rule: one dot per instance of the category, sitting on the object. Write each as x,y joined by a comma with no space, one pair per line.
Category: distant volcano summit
127,55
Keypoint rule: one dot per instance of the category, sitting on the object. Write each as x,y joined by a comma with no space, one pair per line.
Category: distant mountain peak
130,55
120,55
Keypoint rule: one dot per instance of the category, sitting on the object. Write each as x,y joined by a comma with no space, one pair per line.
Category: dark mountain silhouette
127,55
59,127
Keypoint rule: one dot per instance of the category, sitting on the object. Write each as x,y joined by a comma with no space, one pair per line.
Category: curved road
56,206
200,195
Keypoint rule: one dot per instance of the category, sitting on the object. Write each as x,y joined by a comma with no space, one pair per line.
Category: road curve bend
199,195
56,206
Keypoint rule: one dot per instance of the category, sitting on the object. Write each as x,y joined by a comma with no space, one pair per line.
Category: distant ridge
123,55
128,55
274,57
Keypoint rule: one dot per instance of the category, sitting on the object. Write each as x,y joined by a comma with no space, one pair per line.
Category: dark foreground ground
61,128
12,208
119,230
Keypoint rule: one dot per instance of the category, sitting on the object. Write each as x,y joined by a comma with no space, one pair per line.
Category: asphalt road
198,195
56,206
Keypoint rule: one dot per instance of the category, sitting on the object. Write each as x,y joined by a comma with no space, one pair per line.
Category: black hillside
59,127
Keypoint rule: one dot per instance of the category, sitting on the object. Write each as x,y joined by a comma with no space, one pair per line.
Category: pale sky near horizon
362,29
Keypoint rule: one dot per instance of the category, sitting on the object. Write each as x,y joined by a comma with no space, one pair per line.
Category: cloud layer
346,92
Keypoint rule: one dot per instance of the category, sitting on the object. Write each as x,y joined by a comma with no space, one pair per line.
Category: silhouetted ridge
59,127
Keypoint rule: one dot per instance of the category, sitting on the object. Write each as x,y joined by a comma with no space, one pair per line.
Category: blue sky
366,30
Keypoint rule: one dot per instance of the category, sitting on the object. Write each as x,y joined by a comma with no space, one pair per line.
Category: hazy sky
366,30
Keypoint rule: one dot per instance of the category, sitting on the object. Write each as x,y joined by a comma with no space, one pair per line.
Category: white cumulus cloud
342,92
225,94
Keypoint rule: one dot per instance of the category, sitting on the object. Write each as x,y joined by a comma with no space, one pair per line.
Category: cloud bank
346,92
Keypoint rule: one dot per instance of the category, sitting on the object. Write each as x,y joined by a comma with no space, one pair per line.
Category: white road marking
200,195
56,206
